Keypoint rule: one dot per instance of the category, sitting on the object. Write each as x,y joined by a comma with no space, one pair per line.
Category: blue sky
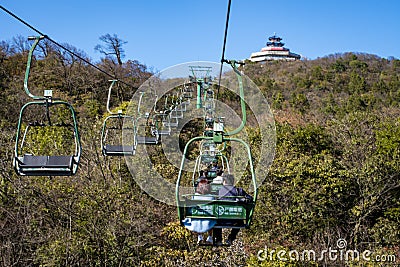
161,34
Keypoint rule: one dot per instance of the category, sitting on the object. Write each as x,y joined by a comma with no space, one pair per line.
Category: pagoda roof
275,37
280,44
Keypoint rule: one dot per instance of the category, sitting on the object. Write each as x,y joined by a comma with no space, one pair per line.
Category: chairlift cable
223,47
60,45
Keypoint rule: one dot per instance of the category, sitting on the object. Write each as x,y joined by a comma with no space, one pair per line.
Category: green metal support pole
198,103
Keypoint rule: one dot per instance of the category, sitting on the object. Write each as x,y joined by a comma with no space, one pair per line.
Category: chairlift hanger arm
166,108
140,102
234,64
109,95
28,65
155,104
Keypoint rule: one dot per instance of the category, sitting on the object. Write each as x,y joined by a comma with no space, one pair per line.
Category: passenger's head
228,179
203,187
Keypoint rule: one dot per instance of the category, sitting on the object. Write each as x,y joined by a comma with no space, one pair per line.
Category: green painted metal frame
103,135
224,160
116,116
28,66
154,139
18,148
47,102
181,203
234,65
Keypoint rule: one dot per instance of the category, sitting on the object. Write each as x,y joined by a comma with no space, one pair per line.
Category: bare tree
20,44
112,47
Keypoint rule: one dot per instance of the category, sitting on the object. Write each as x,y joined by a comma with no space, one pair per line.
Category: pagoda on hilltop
274,50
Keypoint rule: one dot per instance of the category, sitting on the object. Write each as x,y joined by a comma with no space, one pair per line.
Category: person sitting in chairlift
201,226
218,179
228,190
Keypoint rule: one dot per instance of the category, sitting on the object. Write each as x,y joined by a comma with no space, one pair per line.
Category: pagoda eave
274,55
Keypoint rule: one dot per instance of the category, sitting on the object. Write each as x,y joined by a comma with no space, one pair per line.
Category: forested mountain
335,174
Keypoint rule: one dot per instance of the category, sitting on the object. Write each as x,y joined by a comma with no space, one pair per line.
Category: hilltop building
274,51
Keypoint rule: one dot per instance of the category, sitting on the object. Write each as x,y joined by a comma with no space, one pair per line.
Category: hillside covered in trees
335,174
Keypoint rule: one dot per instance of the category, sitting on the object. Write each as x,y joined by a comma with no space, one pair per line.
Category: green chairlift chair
56,125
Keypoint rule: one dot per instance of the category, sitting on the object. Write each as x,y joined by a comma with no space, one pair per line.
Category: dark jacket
230,190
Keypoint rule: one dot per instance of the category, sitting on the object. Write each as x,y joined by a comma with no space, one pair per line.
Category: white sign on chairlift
48,93
218,126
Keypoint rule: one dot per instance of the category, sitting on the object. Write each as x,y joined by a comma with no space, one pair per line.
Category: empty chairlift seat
171,122
176,114
114,127
147,140
27,163
118,150
46,165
